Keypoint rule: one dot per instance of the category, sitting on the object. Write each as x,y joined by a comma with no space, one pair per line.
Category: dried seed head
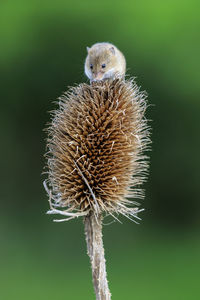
96,144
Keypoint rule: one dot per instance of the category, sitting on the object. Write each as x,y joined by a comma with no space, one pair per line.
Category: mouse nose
98,76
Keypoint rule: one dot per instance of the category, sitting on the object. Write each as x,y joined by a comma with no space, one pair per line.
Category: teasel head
97,141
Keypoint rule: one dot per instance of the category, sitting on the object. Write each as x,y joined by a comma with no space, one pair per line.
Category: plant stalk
95,249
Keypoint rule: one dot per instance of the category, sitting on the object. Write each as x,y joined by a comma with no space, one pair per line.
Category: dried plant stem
93,232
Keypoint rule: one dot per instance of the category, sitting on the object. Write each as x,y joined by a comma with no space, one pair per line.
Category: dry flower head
96,144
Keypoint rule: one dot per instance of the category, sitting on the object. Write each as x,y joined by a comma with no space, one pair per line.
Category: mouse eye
91,66
103,66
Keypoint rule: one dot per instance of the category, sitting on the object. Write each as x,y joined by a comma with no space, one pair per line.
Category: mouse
104,60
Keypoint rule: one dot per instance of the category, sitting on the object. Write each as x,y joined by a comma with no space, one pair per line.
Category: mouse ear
88,49
112,49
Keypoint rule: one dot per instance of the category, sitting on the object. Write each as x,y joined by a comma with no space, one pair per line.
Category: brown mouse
104,60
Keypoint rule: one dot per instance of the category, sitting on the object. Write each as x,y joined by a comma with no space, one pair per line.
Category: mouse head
100,62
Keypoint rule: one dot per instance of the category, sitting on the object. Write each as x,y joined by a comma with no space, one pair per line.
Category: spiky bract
96,144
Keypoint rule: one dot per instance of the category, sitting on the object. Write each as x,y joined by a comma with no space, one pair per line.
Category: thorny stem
93,232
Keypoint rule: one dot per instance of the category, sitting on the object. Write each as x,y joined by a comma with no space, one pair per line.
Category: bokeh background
42,52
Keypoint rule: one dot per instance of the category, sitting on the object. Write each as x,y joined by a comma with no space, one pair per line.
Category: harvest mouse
104,60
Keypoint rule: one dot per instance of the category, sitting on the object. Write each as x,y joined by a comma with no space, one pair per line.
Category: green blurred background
42,52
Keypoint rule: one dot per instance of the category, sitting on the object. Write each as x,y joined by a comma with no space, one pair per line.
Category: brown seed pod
96,144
